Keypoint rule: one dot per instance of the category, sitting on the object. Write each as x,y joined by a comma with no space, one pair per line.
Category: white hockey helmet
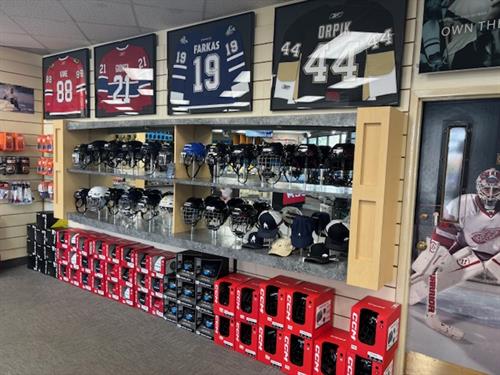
96,198
488,188
167,203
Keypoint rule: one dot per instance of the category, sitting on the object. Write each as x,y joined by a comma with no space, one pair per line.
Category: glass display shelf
147,177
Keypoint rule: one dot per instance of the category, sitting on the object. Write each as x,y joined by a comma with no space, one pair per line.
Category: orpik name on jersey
209,73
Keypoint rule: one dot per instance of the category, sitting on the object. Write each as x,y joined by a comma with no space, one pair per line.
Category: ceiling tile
41,27
163,18
61,44
104,12
193,5
219,8
104,33
47,9
18,40
8,26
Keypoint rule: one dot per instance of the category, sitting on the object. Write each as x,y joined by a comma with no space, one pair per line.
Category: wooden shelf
280,187
293,122
223,244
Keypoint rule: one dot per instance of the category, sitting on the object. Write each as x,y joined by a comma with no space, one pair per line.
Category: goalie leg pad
426,258
493,266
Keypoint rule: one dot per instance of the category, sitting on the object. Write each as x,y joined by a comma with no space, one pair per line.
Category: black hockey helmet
192,211
112,197
243,219
216,212
81,199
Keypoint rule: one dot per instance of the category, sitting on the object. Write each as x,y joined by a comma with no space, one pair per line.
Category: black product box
204,298
186,292
30,247
50,253
30,230
40,250
206,326
50,269
188,318
189,264
171,311
49,237
31,262
45,219
39,235
171,287
40,264
212,268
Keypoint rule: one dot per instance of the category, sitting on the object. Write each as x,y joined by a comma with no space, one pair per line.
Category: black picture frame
244,23
148,43
297,17
82,55
459,36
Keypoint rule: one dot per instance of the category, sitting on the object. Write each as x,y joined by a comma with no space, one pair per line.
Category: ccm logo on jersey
317,358
354,326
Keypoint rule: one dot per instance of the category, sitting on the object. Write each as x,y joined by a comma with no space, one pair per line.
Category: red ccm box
297,354
247,301
330,352
309,309
272,299
246,338
357,364
270,345
225,293
374,329
225,331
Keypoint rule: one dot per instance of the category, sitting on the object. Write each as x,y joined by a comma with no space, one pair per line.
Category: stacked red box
246,338
225,293
358,364
247,301
330,352
270,345
374,329
225,331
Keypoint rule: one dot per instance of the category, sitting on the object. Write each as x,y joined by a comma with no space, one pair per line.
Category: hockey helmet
113,195
243,219
96,198
81,199
167,202
488,188
192,211
216,212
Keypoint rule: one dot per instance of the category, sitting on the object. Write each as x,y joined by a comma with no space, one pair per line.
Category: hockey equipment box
374,328
225,293
30,247
360,365
127,295
98,245
207,325
171,287
330,352
113,290
247,301
98,267
309,309
141,261
143,301
161,263
247,337
272,299
98,285
157,306
270,345
297,354
45,219
189,264
75,277
127,277
171,311
128,251
158,286
86,281
187,318
225,330
84,243
30,230
142,282
205,298
186,292
211,269
111,249
113,272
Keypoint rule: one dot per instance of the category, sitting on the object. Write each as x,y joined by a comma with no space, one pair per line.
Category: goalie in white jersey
461,248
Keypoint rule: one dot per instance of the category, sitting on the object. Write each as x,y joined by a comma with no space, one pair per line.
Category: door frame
418,99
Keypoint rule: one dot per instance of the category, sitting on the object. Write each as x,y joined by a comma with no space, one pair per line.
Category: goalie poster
460,34
455,281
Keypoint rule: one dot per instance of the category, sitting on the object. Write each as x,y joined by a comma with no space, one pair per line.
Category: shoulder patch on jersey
75,60
184,40
230,30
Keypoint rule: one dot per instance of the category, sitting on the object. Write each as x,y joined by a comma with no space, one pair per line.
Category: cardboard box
358,364
205,298
143,301
188,264
113,272
309,309
111,249
161,263
113,290
63,272
374,331
171,312
142,282
246,338
127,295
247,301
225,293
127,276
212,268
225,331
98,267
86,281
330,352
206,328
157,306
187,318
297,354
98,285
186,292
272,299
270,345
75,277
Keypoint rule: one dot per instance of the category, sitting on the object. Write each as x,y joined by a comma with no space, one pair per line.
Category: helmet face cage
270,163
241,158
488,188
340,165
165,157
215,217
112,198
193,154
79,156
148,204
95,151
217,159
149,155
166,204
96,198
192,211
127,204
81,200
243,219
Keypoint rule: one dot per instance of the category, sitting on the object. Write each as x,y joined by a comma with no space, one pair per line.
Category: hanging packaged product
16,192
11,141
45,166
45,143
46,190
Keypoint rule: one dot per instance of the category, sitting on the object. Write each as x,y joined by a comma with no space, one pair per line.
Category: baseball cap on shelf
289,213
269,223
322,220
281,247
318,254
337,236
302,230
254,241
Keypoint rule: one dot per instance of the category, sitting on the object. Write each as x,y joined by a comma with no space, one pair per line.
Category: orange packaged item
19,142
6,141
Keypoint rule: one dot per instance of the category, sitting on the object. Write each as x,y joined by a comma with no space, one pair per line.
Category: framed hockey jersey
66,85
124,76
210,66
337,53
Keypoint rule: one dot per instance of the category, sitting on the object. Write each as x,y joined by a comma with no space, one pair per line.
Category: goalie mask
127,204
193,154
270,162
96,198
81,200
217,158
488,188
148,204
113,196
216,212
243,219
241,157
192,211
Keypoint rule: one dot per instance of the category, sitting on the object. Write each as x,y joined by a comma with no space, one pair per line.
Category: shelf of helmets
377,164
